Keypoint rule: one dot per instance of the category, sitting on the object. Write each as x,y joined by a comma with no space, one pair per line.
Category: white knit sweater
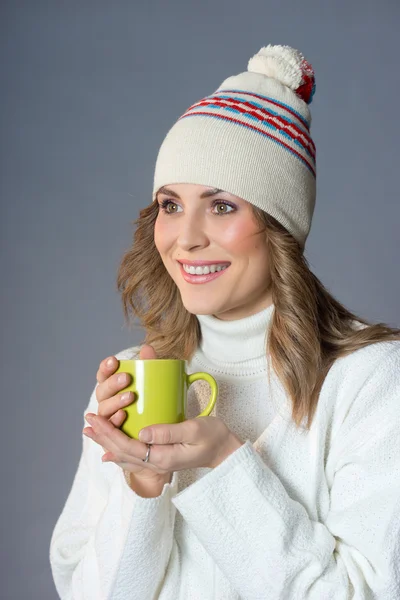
290,515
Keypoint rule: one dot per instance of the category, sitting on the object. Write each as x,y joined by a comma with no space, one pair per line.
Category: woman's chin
200,306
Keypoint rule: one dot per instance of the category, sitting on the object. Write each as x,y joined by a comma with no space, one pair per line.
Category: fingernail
122,378
125,397
145,435
110,362
89,418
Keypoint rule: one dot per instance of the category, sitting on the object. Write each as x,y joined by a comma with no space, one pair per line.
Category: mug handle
214,390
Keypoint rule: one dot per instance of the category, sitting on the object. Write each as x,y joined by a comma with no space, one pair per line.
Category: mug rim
155,359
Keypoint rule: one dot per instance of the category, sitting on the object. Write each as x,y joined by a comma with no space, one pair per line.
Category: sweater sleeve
108,542
264,541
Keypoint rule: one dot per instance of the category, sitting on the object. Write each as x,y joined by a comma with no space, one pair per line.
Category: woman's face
198,223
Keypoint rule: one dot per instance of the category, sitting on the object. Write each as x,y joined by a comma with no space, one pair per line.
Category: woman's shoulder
366,380
358,367
371,356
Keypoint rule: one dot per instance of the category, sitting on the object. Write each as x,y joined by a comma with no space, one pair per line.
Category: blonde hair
309,328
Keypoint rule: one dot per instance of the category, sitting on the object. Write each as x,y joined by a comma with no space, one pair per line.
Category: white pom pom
280,62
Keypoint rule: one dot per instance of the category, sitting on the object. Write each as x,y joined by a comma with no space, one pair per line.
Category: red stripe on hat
301,136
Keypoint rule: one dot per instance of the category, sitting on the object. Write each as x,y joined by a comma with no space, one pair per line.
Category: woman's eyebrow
206,194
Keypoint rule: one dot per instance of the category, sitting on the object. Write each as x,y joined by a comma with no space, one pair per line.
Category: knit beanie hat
251,138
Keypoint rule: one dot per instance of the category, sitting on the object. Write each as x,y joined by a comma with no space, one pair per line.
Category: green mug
160,392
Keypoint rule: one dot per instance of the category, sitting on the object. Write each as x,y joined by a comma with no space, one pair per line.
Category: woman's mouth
202,278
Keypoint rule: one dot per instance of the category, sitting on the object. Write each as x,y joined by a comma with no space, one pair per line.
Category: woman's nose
191,233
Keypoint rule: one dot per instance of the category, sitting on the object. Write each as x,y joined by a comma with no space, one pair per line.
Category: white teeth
204,270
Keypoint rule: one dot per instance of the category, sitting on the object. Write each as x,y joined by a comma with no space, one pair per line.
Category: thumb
147,351
166,433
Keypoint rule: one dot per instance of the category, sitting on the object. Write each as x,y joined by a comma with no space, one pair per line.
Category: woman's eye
166,203
225,205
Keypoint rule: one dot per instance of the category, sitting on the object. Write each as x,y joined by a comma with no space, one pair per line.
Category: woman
290,490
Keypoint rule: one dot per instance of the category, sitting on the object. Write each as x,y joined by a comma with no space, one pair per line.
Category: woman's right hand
112,403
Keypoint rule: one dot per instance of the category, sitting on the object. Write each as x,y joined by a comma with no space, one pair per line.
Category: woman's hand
198,442
111,404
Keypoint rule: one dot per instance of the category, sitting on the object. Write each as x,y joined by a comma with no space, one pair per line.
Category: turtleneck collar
225,343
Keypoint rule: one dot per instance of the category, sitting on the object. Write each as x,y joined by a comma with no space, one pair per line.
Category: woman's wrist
150,487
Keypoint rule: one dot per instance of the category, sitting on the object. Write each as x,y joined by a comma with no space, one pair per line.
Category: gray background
88,91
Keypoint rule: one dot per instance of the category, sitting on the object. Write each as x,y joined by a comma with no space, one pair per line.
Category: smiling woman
197,231
305,435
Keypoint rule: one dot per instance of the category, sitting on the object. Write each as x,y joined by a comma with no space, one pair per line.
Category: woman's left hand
198,442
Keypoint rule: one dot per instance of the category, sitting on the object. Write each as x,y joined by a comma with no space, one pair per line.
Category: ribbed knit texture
239,349
289,515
